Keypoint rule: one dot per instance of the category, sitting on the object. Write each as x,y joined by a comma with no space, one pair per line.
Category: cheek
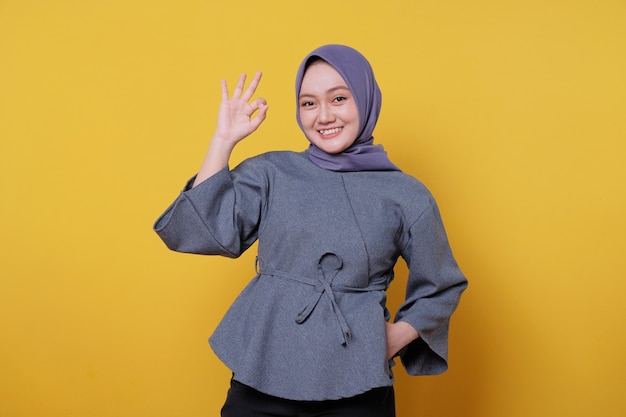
307,119
350,113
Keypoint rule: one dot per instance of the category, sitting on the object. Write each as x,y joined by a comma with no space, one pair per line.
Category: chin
331,151
332,148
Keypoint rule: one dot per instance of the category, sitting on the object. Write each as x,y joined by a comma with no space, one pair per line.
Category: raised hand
237,118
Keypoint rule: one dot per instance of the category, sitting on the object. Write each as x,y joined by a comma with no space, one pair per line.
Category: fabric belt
329,266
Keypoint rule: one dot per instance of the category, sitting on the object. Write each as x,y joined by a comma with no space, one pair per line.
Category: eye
339,99
306,104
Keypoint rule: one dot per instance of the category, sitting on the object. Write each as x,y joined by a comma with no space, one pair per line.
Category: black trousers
243,401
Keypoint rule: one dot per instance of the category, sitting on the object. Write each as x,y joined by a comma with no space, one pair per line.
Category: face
328,112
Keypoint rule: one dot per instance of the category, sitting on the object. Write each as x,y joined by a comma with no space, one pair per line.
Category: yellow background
511,112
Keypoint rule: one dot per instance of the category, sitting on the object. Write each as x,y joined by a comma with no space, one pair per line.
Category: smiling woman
328,113
328,83
511,112
311,333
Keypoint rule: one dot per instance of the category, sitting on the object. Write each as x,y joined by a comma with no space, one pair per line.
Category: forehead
320,77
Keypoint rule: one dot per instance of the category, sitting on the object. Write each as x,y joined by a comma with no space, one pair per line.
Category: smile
330,131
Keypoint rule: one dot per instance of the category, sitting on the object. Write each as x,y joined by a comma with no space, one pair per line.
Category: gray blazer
311,324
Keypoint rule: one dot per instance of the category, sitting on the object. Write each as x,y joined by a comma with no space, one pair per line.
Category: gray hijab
357,72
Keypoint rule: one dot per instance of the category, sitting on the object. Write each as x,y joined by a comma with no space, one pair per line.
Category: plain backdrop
512,113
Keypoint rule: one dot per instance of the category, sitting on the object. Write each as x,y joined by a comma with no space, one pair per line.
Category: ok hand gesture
236,118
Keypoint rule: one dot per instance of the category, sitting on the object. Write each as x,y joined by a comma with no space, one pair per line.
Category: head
338,99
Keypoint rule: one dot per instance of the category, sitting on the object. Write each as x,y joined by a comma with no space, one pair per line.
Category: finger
224,91
239,88
247,95
258,103
260,116
256,106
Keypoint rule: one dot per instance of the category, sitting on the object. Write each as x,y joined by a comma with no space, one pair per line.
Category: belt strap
329,266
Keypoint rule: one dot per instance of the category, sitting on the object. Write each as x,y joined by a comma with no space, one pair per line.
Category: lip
333,132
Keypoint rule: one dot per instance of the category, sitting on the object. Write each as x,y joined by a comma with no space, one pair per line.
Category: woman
310,334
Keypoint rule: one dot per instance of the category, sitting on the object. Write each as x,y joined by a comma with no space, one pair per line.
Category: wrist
216,158
408,332
221,145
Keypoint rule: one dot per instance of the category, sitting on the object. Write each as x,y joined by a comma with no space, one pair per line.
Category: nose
326,114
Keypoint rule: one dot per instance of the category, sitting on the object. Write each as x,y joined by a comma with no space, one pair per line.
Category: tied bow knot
329,266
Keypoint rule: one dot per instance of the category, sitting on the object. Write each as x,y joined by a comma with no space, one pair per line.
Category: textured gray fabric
311,324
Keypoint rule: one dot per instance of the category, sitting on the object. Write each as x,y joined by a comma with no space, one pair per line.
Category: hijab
357,72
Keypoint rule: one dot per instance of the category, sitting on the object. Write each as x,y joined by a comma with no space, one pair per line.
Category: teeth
330,131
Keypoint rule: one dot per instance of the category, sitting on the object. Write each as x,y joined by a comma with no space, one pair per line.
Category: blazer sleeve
434,288
220,216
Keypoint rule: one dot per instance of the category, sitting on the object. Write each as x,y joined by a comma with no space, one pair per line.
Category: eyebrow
330,90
